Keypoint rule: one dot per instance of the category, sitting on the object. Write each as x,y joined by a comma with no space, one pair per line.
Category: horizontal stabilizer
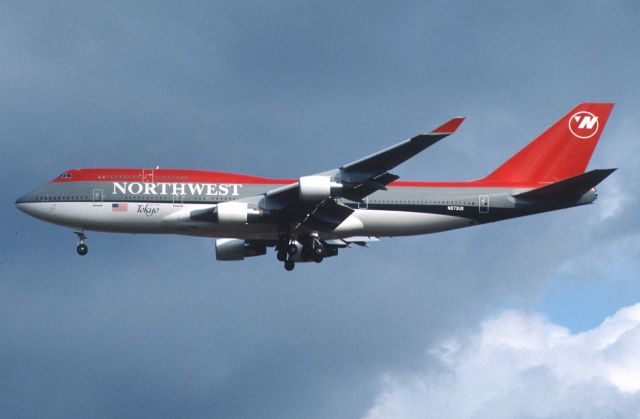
570,188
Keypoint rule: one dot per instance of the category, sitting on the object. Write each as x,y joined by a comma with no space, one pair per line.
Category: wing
362,177
311,200
377,166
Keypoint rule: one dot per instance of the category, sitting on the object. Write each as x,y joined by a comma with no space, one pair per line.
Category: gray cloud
154,326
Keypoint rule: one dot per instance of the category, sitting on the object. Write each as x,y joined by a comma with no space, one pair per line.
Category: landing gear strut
317,251
292,249
287,245
82,248
286,249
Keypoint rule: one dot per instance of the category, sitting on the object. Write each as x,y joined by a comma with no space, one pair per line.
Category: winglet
448,127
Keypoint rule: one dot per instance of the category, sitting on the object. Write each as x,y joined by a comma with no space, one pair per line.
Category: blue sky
153,326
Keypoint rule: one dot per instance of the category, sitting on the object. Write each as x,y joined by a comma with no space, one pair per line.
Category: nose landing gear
82,248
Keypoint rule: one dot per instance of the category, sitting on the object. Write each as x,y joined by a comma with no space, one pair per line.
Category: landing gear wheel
289,264
292,249
82,249
281,255
318,258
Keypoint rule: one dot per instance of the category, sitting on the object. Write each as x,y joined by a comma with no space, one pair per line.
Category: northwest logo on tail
583,124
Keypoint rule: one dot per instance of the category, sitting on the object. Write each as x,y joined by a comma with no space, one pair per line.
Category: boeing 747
313,217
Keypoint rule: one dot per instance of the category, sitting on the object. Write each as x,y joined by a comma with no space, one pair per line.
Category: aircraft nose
21,202
24,203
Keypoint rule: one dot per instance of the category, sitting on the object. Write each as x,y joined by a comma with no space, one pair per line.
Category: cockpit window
65,176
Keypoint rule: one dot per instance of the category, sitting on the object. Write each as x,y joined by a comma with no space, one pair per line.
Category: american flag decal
119,207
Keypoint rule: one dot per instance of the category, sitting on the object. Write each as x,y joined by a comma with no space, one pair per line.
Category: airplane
313,217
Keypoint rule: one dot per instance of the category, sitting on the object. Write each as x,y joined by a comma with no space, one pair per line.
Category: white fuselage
158,218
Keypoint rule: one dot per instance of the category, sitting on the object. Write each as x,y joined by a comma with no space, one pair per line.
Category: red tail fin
562,151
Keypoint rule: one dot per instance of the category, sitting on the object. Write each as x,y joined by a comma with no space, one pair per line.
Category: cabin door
484,204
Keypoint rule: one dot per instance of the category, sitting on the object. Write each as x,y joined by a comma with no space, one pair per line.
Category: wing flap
358,240
326,216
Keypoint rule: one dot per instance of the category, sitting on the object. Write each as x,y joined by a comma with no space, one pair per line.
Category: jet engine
229,213
232,212
238,249
316,188
235,213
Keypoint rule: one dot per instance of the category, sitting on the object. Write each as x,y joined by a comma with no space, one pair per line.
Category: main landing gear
317,251
287,249
82,248
289,264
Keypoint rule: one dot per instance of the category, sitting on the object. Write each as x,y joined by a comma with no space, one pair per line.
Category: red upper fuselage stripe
163,175
203,176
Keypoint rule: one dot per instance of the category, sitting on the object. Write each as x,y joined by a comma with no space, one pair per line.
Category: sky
534,317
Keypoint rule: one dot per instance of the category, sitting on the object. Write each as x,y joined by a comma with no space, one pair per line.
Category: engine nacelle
316,188
236,213
237,249
232,212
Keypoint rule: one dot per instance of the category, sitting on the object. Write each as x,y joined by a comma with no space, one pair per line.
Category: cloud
153,326
618,198
521,365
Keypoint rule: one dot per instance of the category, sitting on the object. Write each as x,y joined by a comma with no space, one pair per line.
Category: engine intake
316,188
238,249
